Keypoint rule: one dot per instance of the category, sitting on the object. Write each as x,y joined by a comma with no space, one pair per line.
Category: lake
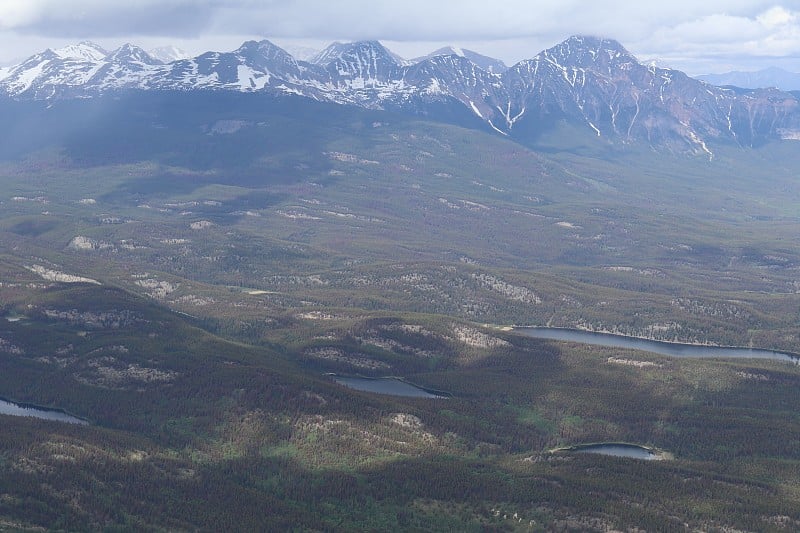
390,386
15,409
630,451
672,349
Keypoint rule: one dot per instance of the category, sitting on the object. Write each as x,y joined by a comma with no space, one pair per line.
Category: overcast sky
697,36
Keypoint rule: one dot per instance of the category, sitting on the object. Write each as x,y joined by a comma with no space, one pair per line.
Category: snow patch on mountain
250,80
25,79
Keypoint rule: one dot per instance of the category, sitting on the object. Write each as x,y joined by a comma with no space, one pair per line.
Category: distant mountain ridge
168,54
768,77
489,64
590,83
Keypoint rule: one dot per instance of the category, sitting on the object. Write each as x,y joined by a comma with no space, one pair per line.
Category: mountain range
768,77
590,83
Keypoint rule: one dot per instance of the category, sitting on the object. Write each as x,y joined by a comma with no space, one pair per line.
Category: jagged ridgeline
592,83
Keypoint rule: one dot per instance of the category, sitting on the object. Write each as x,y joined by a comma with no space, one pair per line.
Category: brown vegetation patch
339,356
108,372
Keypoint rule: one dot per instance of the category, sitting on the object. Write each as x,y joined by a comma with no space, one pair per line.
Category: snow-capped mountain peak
85,51
581,51
359,64
489,64
168,54
265,50
349,51
129,53
328,54
444,51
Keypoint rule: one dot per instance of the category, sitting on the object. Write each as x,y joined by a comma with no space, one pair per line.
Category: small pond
389,386
15,409
631,451
14,317
672,349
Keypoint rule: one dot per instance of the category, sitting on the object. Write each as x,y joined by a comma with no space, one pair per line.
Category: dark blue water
671,349
390,386
15,409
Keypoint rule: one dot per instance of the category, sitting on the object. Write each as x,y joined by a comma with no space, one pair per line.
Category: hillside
185,271
273,198
191,431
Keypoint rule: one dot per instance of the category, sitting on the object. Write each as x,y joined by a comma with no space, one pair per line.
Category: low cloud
770,34
97,18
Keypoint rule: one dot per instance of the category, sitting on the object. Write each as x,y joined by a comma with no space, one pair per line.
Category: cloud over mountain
685,33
